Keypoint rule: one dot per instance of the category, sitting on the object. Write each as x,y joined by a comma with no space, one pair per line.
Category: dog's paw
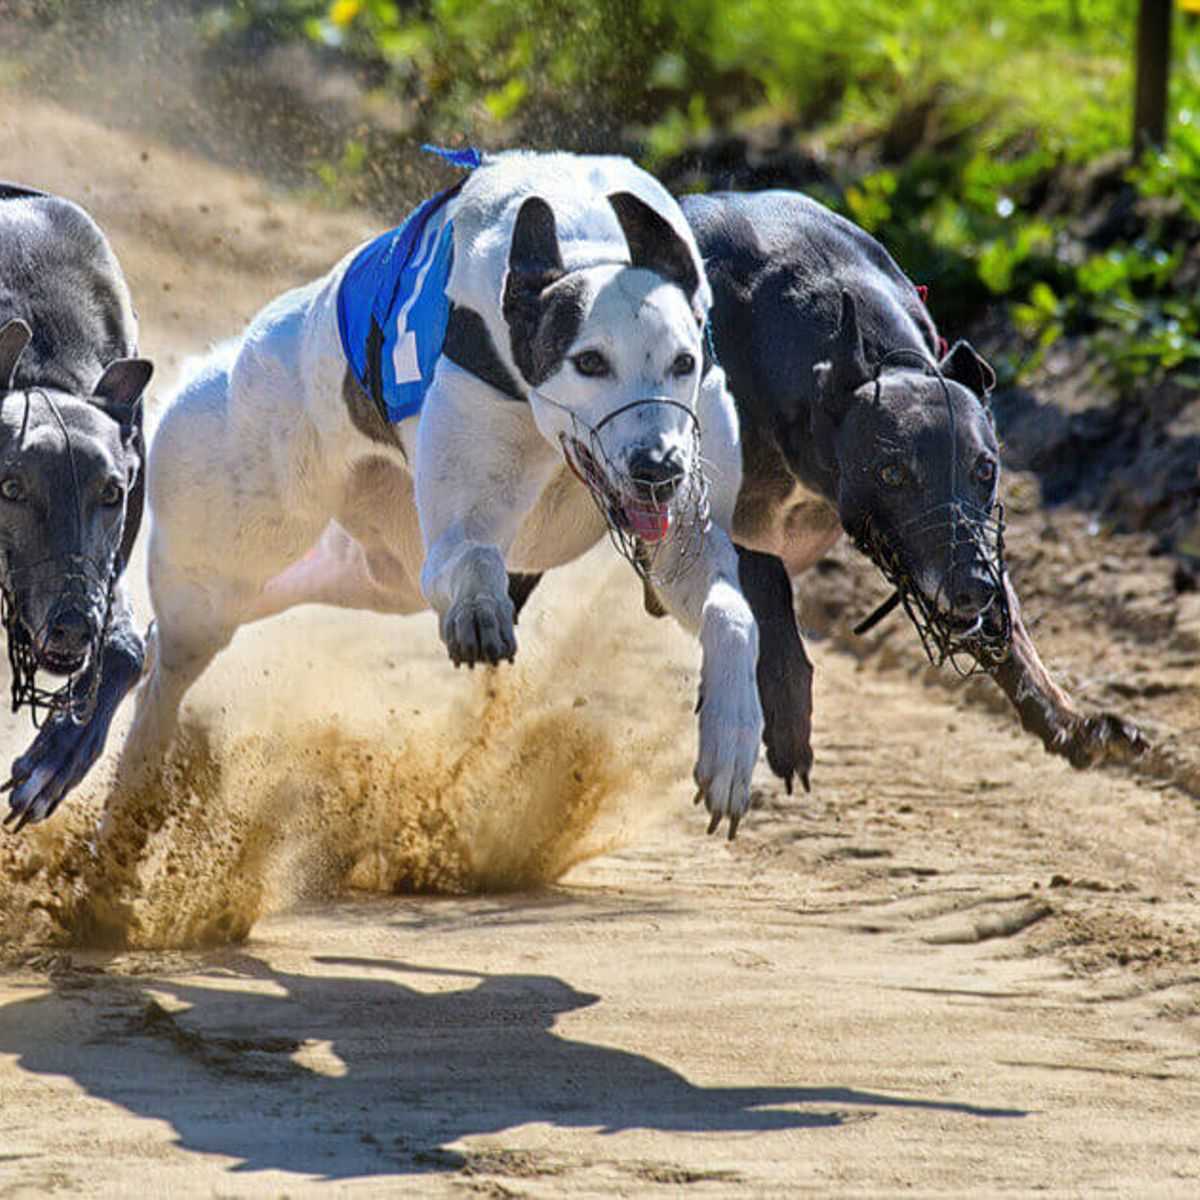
785,687
1101,738
480,630
60,757
731,726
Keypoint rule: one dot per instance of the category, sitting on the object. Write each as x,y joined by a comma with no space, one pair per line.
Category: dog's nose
658,472
971,592
69,634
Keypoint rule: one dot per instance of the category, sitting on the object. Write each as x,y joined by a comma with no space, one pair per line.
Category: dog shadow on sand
356,1074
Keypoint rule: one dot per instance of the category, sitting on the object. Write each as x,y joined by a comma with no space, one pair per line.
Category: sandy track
957,967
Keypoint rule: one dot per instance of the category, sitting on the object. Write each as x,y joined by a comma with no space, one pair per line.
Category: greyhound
484,390
70,486
856,418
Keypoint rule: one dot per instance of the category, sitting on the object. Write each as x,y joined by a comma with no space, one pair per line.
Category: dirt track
957,967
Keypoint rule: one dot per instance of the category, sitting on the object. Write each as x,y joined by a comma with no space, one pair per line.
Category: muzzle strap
657,526
884,610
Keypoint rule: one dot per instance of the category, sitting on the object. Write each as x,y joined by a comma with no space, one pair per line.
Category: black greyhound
857,419
70,486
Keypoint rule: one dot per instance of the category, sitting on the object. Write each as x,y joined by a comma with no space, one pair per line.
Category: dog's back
778,263
59,274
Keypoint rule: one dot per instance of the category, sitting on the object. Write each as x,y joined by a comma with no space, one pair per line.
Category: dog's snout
658,471
68,636
970,593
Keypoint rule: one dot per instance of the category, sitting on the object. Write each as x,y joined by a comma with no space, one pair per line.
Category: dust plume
508,780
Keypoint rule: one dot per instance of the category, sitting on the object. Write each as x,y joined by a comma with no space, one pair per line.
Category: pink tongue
650,524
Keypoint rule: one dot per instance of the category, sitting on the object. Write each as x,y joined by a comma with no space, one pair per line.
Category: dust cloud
352,771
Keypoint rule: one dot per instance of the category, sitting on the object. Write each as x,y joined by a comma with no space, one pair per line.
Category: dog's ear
845,370
837,379
653,242
534,263
119,392
14,337
965,366
534,259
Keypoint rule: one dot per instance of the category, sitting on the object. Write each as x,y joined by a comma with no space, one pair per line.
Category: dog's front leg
480,466
706,599
1045,709
63,752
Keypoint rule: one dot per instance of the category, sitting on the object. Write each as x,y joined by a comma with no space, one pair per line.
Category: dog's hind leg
221,528
339,570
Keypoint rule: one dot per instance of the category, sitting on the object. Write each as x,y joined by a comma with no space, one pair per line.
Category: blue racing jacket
392,305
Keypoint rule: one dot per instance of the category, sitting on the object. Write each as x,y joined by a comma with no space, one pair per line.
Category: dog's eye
684,364
985,470
893,475
112,493
12,489
592,363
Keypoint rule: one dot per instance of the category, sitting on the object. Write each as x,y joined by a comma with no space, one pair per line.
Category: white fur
263,493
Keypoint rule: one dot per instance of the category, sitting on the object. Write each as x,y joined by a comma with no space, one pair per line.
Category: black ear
534,253
845,370
964,365
14,337
534,263
653,242
120,389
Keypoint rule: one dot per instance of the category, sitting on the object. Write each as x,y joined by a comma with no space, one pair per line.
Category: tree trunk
1153,70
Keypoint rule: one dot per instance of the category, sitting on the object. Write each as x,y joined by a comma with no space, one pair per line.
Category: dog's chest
786,518
562,525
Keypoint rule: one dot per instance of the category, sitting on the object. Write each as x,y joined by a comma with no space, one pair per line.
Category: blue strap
468,158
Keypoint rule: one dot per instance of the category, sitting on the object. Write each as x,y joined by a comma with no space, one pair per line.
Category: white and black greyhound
478,394
71,486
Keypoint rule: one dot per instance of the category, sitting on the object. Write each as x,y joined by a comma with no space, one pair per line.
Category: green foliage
675,66
952,119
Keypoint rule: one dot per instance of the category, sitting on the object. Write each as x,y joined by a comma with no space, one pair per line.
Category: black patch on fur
367,416
374,380
14,191
533,253
469,345
653,243
542,305
543,327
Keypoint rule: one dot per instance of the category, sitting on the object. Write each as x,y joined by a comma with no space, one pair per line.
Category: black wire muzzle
975,542
84,583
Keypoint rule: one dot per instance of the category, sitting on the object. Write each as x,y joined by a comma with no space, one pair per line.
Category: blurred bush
983,141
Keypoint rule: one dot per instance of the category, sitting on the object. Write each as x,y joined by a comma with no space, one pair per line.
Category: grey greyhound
857,419
70,486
